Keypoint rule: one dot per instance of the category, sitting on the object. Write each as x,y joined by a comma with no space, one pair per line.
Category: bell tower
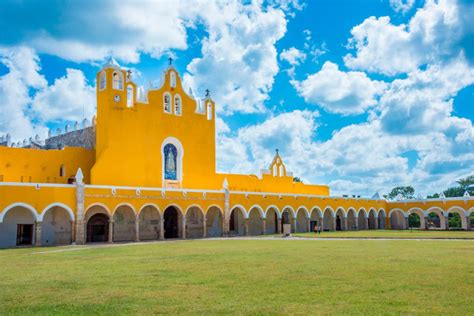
111,92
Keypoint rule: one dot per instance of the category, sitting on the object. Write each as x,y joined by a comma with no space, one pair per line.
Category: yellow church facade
151,175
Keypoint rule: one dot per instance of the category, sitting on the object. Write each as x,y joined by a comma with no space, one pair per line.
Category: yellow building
151,175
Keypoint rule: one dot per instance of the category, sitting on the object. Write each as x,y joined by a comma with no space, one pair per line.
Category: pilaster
38,234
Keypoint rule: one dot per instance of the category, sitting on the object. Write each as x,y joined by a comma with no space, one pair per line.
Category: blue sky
360,95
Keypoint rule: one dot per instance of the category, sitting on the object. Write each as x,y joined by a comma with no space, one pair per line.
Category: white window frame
178,97
130,97
170,103
102,80
179,159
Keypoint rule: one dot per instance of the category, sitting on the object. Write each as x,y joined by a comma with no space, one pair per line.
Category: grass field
242,277
438,234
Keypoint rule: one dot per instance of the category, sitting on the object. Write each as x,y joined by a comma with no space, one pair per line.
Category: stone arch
214,221
288,216
57,223
149,222
96,208
124,217
340,218
435,216
260,210
373,219
290,209
465,220
98,223
237,217
382,218
255,221
315,219
302,217
274,208
173,221
352,219
329,222
19,204
272,215
194,222
64,206
418,212
17,225
362,219
397,219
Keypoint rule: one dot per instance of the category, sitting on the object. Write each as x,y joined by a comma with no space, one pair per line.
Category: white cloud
23,75
94,30
402,6
29,103
70,98
423,101
340,92
441,29
239,59
252,148
292,56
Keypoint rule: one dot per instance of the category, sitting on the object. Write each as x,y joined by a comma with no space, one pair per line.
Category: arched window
129,96
177,104
209,111
282,171
102,80
117,81
173,79
275,170
167,102
170,154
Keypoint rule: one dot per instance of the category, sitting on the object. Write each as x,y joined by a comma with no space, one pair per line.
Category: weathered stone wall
81,138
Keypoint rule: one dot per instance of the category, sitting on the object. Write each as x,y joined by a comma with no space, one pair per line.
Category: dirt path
122,244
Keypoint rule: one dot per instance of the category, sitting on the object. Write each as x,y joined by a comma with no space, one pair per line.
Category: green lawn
243,277
439,234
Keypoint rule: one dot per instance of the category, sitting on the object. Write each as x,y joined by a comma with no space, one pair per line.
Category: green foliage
407,192
454,220
465,184
414,221
297,179
243,277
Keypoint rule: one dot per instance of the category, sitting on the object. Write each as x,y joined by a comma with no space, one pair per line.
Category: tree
297,179
407,192
466,184
414,221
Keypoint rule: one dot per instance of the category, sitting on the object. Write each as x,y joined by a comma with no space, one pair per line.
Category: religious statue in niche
170,153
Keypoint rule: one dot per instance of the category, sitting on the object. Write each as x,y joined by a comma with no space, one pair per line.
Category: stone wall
80,138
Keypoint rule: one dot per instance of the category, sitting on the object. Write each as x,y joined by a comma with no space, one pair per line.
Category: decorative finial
129,74
79,176
208,93
170,60
276,151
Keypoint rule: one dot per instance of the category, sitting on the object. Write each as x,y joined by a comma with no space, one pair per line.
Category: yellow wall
42,166
128,153
38,197
130,139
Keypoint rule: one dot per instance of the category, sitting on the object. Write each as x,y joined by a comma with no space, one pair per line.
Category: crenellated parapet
77,135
